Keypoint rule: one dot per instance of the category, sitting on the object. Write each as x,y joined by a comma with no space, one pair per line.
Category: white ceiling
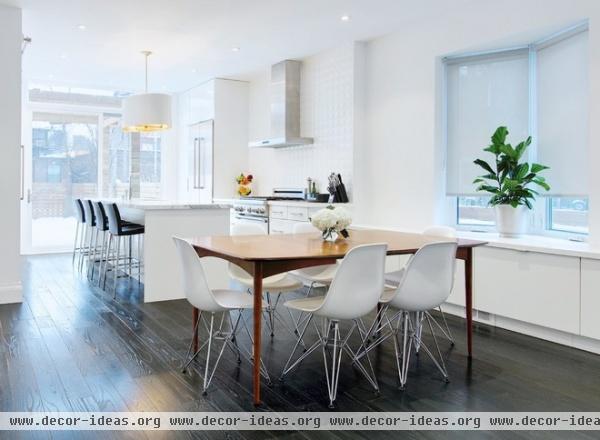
192,40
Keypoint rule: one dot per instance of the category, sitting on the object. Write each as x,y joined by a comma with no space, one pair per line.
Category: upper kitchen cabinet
208,165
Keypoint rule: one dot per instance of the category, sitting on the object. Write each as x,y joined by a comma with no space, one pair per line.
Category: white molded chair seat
306,305
317,274
233,299
277,283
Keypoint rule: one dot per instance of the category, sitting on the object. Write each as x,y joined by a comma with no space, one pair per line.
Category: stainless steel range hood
285,107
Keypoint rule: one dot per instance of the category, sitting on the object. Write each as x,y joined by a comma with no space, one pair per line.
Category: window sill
537,243
526,243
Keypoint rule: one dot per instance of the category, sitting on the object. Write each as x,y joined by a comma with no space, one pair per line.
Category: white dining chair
273,285
317,275
210,302
393,278
426,283
353,293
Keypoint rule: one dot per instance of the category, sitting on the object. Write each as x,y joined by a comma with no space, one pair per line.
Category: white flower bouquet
332,221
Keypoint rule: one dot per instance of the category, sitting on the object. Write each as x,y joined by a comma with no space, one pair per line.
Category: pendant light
147,111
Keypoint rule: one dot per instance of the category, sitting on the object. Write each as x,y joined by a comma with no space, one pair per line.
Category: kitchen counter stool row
105,243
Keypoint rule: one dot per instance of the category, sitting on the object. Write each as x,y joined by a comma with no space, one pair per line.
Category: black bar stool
90,227
118,229
79,229
101,228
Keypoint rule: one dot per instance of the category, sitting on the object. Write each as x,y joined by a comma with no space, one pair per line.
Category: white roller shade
563,121
483,92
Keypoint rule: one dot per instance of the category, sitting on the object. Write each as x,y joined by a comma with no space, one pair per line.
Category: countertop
526,243
166,205
299,203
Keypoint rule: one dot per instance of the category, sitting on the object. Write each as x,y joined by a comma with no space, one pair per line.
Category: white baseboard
548,334
11,293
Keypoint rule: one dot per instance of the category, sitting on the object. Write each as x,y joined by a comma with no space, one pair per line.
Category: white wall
327,97
403,167
10,141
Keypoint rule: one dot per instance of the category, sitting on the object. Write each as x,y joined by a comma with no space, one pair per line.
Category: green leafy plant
510,180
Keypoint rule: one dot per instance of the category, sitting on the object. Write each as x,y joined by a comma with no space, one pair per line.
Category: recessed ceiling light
235,49
194,70
81,27
63,56
345,18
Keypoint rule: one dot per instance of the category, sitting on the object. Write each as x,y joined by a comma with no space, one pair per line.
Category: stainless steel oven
251,212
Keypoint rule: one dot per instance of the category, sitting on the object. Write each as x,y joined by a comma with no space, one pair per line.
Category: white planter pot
511,222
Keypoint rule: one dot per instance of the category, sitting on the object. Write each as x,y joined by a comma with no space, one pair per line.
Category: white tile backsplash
327,111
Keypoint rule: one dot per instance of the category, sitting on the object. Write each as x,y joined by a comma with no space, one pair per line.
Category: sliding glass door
64,166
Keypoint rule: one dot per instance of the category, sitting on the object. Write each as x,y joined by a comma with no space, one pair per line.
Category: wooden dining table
266,255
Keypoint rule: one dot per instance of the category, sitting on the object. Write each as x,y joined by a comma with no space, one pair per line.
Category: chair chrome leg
270,313
446,331
407,341
333,376
287,368
441,364
184,367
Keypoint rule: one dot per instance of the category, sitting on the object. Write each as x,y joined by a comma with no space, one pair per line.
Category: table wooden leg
195,329
258,282
469,298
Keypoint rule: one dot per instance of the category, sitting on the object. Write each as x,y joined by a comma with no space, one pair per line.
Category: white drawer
298,214
278,212
278,226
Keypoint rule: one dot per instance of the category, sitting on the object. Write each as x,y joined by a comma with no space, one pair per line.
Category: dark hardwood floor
71,347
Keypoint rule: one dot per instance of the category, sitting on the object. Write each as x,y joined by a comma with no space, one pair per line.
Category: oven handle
254,219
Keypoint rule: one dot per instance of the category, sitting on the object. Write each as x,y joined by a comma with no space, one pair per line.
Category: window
117,146
568,214
474,211
65,166
150,163
541,90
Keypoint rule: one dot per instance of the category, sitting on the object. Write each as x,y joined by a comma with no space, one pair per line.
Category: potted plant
509,181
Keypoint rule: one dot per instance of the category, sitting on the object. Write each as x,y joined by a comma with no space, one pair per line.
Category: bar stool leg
75,242
139,251
93,253
102,259
116,266
110,237
83,247
129,248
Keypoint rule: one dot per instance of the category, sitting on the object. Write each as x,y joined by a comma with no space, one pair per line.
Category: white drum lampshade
147,112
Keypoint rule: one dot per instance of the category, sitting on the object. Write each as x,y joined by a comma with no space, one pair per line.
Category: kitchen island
162,221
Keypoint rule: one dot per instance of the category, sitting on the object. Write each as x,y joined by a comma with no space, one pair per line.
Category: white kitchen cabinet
537,288
590,298
279,226
225,103
202,102
297,213
278,212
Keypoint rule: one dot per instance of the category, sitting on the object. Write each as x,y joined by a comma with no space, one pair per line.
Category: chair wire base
330,340
228,338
